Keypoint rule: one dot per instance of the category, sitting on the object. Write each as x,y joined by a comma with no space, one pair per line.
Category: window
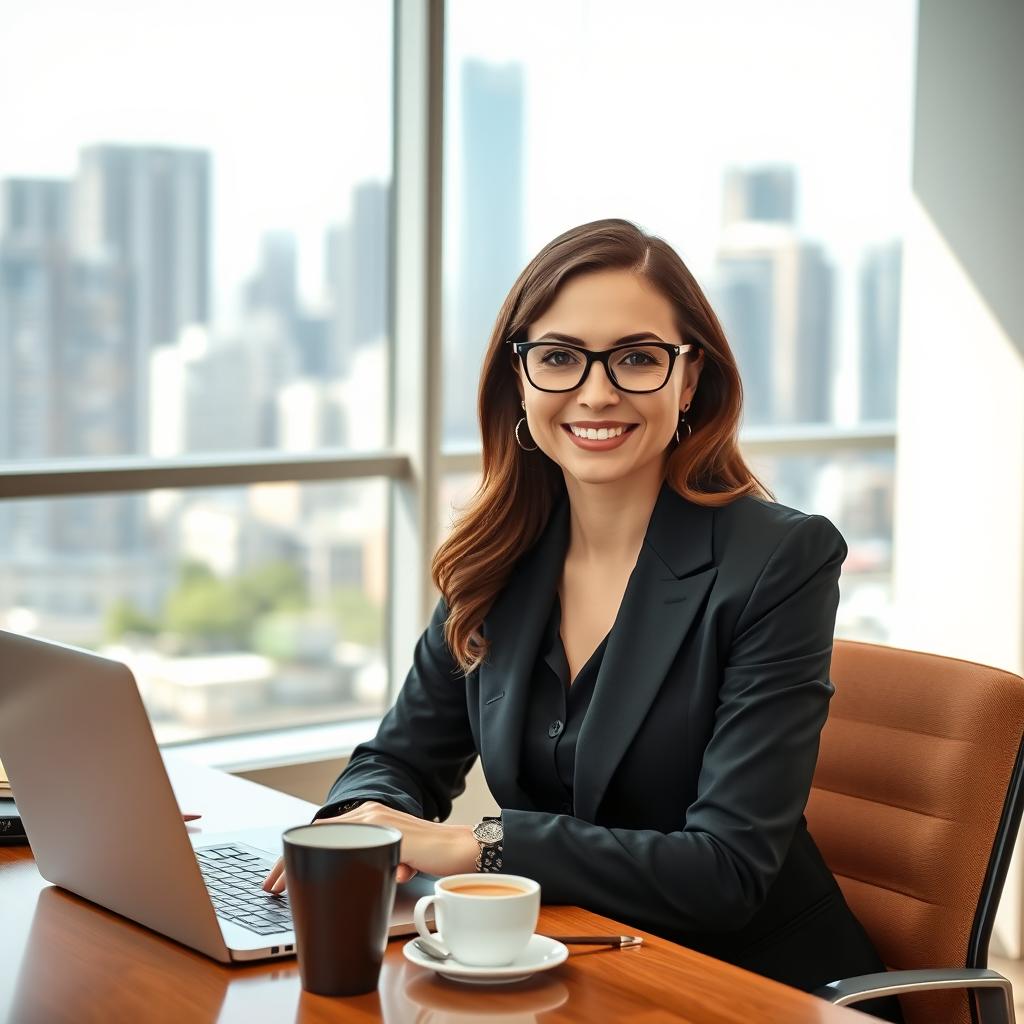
210,287
761,150
194,241
238,609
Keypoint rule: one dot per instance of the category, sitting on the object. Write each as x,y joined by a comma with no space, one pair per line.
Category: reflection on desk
136,963
412,995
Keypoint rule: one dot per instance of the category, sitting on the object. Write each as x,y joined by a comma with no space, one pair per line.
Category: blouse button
555,728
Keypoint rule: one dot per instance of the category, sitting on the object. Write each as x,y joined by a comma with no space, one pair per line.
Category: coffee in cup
484,889
485,920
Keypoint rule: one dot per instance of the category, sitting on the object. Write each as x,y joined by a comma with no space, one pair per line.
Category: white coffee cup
482,927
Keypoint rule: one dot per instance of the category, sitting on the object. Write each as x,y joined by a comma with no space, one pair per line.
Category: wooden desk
64,959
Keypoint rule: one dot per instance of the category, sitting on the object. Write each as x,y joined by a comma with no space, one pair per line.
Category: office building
274,286
356,272
880,277
145,209
65,366
773,291
34,209
762,194
214,392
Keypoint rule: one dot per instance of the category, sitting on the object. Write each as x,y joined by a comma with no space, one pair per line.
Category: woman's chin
599,474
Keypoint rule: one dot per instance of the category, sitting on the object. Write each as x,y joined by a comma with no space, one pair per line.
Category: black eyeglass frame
521,348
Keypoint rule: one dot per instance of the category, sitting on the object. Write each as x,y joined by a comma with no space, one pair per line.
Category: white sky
631,109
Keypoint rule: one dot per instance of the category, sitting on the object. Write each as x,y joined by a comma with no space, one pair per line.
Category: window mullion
415,391
68,478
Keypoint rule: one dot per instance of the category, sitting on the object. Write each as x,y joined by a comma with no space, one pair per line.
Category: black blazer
695,758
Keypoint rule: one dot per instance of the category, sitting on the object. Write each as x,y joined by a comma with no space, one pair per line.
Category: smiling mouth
595,434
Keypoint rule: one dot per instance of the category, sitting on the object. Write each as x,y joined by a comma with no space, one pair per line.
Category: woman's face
599,308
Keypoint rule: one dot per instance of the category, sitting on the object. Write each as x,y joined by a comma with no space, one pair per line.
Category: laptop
103,822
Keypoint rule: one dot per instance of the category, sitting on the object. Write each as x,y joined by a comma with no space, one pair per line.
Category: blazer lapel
663,597
514,626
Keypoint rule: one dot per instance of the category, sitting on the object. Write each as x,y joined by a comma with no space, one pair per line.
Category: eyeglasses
639,369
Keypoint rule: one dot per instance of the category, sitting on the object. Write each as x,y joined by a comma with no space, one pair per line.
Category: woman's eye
557,357
637,358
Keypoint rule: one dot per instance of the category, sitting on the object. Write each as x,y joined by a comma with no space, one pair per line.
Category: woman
632,638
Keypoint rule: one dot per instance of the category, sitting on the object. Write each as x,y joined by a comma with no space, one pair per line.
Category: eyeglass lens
636,367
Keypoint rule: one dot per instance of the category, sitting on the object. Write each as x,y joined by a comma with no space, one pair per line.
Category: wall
959,532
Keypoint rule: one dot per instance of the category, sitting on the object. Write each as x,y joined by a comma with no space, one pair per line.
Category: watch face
489,832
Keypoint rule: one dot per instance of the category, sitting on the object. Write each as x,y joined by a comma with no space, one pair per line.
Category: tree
122,619
206,613
358,618
274,586
210,613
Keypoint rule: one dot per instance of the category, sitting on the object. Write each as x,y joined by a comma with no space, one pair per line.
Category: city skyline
111,221
855,168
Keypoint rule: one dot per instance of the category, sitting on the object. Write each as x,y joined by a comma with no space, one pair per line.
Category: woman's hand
430,846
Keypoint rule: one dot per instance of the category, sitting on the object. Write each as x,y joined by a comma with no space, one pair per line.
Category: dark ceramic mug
341,889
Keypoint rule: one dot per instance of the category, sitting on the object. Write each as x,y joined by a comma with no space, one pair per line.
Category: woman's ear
517,372
692,376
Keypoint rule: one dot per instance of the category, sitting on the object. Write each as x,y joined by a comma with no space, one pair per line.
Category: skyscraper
145,210
33,277
774,295
217,392
491,235
763,194
880,276
371,201
274,286
34,210
356,269
65,365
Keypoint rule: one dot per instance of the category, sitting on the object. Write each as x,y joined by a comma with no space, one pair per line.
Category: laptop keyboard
234,877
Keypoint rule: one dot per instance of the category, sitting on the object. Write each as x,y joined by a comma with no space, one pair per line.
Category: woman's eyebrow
629,339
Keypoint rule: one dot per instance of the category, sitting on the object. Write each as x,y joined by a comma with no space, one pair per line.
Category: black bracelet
340,809
490,857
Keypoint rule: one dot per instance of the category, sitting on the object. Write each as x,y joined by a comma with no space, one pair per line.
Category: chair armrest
992,991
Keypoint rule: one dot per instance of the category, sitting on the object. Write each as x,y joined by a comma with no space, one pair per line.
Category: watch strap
489,856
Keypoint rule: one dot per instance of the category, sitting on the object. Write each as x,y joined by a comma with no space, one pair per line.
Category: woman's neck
608,521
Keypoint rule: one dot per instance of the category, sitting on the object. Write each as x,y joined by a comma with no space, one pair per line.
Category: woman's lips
599,446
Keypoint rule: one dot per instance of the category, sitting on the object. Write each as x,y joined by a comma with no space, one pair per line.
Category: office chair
915,806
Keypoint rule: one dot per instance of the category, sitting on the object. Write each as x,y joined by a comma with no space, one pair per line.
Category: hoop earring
519,442
683,423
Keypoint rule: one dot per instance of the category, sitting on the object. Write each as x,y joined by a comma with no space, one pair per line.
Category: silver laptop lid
92,790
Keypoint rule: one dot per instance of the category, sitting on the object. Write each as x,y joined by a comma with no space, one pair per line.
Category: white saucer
541,954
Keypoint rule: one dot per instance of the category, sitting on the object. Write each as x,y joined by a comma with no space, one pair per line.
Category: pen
621,941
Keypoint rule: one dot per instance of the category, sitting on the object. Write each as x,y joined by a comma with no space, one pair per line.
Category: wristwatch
490,835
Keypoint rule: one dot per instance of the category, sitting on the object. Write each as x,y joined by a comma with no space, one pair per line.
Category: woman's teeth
592,434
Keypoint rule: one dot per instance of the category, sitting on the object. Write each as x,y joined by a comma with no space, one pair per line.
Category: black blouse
553,719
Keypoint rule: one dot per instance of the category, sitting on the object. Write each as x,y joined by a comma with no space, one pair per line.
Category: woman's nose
598,388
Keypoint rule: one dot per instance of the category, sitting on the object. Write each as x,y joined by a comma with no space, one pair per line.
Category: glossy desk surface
64,959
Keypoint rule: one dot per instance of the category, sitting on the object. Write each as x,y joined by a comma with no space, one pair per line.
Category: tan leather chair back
915,762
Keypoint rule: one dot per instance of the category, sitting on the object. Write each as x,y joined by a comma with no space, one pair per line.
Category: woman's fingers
275,881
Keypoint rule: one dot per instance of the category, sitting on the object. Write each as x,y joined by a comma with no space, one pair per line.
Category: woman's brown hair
511,507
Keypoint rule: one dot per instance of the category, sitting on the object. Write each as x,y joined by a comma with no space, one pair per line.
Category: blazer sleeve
424,747
755,774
